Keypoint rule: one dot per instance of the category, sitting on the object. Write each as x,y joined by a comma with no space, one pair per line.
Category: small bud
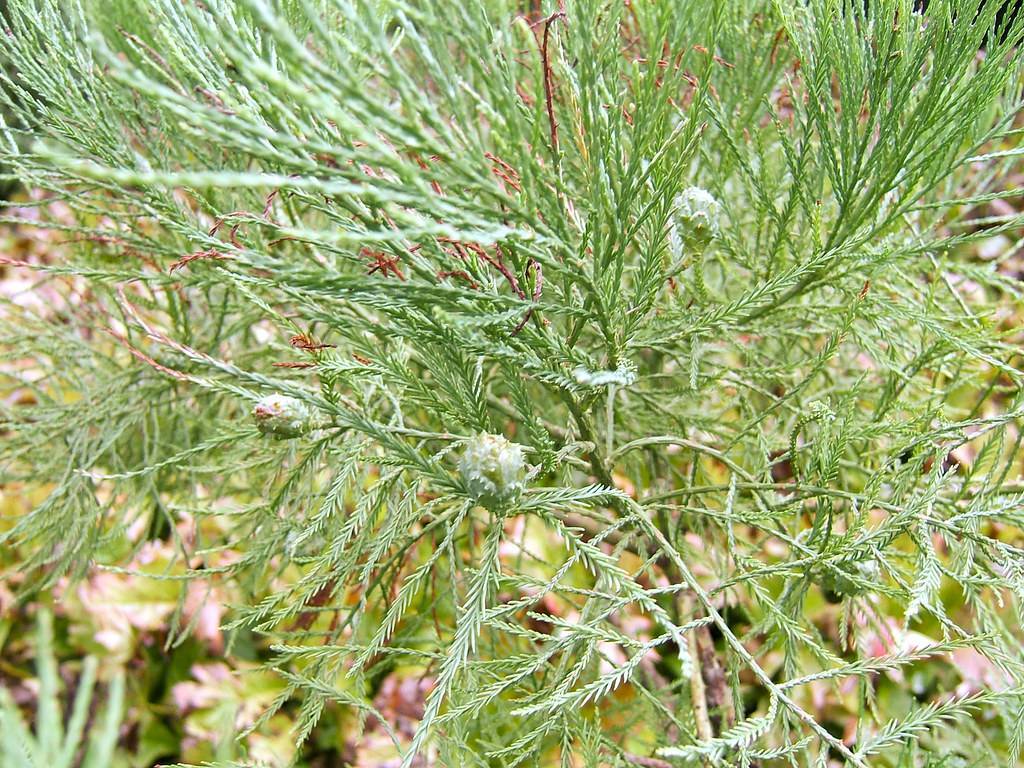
695,220
282,416
493,469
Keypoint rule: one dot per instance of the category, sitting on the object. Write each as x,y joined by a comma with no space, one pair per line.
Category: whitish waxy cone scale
696,219
493,468
282,417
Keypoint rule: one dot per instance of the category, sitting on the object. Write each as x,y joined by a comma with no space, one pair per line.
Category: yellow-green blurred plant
52,738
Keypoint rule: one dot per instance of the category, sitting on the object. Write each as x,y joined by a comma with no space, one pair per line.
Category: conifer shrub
639,373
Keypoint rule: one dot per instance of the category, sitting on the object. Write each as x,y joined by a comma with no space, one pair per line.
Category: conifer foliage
626,367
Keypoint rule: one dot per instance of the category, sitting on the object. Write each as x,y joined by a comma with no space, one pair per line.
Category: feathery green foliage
420,223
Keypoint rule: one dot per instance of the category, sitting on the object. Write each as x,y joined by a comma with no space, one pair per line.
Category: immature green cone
836,586
493,468
282,416
695,221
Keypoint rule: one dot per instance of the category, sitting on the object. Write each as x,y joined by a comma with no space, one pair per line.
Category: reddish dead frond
434,185
209,255
303,341
383,263
460,273
504,171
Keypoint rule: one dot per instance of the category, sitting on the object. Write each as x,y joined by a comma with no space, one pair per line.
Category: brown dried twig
538,284
549,101
142,356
